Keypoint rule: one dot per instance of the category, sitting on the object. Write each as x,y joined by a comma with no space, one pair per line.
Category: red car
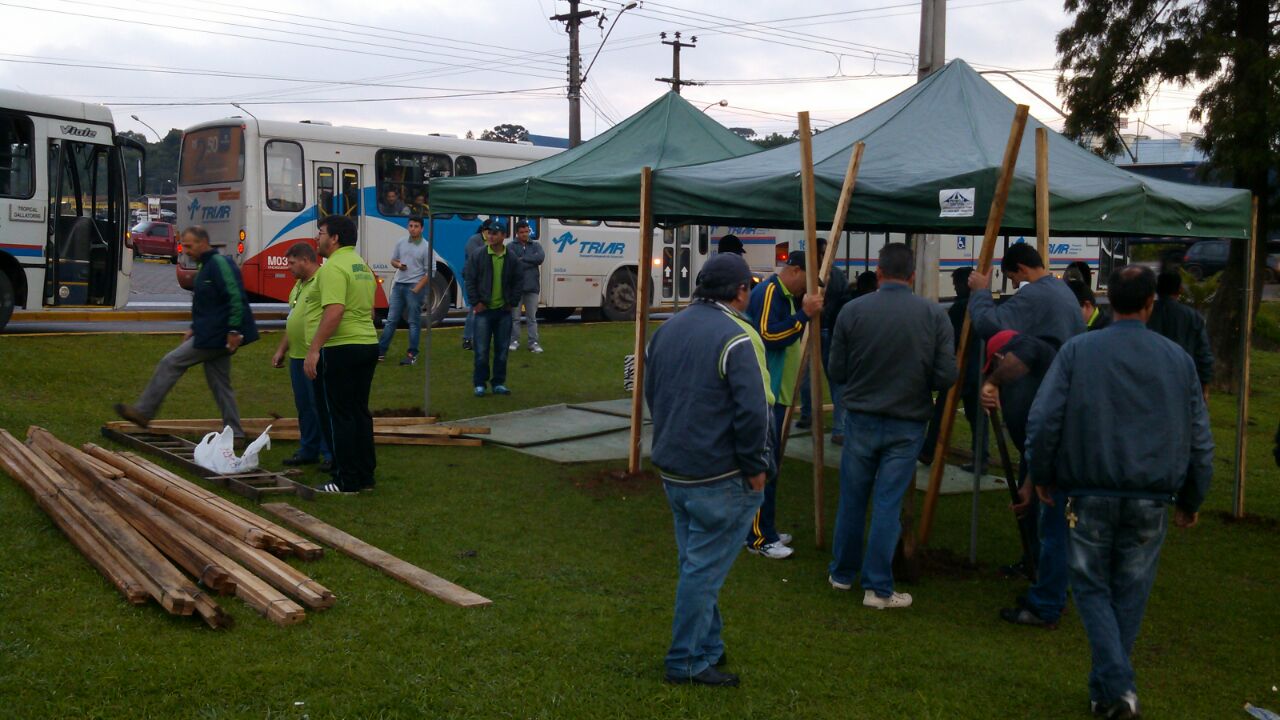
155,238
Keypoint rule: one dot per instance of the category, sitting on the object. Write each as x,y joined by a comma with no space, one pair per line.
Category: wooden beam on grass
994,217
381,560
1246,346
644,277
1042,194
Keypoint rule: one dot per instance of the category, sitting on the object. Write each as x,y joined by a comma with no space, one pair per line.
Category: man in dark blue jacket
709,400
1120,427
221,323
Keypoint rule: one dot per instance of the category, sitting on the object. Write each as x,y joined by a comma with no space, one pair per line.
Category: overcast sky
767,59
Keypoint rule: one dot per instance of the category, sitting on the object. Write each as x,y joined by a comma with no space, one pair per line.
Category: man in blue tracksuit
779,314
1120,429
221,323
710,403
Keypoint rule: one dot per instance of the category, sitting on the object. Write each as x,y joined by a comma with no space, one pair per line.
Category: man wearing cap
779,311
474,243
730,244
891,350
492,277
1016,364
713,454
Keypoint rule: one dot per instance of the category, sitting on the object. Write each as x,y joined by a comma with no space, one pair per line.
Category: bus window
324,191
16,157
464,165
622,224
212,155
579,223
408,175
350,193
285,191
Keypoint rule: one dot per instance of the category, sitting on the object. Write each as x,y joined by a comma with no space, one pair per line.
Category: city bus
64,211
260,186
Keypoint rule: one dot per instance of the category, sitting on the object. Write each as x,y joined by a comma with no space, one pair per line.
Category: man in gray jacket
890,350
528,255
1119,426
1043,306
708,394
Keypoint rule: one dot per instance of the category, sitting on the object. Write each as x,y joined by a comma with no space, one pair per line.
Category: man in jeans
834,295
492,277
221,323
312,445
713,454
1120,427
528,256
890,350
474,243
412,262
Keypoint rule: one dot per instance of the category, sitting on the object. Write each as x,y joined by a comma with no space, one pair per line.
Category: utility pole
571,21
933,55
676,44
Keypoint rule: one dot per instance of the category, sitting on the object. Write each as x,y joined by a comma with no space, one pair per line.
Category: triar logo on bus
216,213
563,241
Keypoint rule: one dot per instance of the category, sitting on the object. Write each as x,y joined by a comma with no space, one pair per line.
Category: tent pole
643,281
431,307
994,217
1042,195
1246,344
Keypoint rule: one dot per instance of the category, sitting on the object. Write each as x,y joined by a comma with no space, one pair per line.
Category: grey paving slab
620,408
549,424
611,446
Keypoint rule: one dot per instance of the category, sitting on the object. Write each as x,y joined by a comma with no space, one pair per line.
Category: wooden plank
994,217
1246,346
379,559
643,281
1042,194
812,339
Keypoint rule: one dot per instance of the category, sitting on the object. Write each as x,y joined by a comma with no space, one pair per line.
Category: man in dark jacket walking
528,256
891,349
221,323
1182,324
1120,427
492,277
709,397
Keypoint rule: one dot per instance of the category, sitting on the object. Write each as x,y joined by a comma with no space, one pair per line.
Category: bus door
338,192
677,280
85,231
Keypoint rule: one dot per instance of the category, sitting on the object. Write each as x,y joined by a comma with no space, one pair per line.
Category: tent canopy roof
599,179
932,159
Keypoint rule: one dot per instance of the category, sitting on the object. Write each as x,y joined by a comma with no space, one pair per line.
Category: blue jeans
837,408
763,529
529,301
1048,596
493,327
709,522
311,441
469,325
877,464
403,302
1113,553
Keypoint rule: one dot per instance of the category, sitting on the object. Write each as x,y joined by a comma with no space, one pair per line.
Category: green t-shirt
344,279
790,357
496,299
301,317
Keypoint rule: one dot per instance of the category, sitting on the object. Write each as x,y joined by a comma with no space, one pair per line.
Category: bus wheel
620,296
441,293
6,300
554,314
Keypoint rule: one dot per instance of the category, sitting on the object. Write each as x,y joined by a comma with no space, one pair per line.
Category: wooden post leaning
1246,344
810,340
643,282
1042,194
994,218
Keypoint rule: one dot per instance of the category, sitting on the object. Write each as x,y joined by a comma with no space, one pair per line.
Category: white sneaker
515,345
837,585
896,600
535,348
785,538
773,551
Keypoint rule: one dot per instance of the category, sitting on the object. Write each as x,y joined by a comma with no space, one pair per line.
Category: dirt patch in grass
936,563
1251,521
613,483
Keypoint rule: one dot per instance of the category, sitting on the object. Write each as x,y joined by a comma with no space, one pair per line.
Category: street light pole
721,103
153,130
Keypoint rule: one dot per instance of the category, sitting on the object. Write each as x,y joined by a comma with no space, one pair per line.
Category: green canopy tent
931,165
599,179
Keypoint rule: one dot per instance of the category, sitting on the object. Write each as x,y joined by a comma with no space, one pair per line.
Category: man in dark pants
492,277
713,454
1120,427
343,354
474,243
891,350
312,443
221,323
834,295
1182,324
972,369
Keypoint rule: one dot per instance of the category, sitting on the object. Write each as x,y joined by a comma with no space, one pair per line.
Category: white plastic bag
217,452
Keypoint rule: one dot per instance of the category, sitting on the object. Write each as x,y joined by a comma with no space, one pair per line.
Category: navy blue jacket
1120,413
219,304
1184,325
1045,308
477,277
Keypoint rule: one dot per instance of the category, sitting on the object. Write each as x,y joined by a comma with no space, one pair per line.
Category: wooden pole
643,278
811,340
1042,194
1246,345
994,218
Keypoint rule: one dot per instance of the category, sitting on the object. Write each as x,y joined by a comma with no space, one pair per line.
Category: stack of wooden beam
142,526
386,430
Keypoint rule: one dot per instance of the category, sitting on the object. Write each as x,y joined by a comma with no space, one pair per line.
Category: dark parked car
155,238
1206,258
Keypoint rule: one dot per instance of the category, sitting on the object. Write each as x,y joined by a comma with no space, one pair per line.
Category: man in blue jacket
221,323
710,404
1043,306
1120,427
528,256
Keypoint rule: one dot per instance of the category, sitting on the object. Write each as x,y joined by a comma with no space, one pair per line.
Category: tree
1117,52
773,140
506,133
744,133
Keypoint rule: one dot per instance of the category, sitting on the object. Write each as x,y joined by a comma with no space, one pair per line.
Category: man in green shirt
492,280
342,353
303,264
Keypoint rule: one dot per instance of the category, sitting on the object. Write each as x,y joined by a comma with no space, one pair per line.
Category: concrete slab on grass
544,425
611,446
618,408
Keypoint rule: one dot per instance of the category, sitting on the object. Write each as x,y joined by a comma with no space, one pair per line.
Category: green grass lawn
582,575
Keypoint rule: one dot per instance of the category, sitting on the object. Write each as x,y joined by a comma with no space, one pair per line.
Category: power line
329,101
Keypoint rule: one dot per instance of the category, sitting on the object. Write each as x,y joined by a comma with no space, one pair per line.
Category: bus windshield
212,155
